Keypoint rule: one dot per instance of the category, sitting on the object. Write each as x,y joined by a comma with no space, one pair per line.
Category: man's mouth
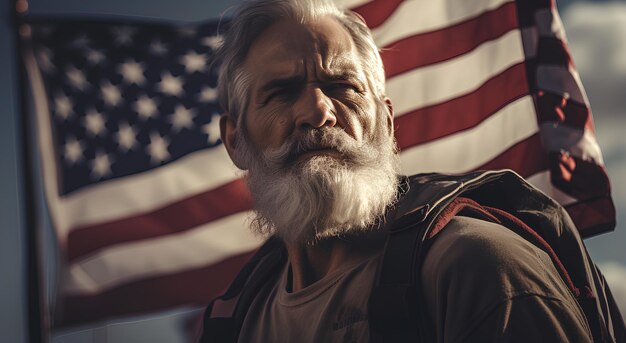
327,151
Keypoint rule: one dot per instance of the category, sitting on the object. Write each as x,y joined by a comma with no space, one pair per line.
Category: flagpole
37,318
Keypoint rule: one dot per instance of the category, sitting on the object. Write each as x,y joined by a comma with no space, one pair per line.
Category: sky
597,38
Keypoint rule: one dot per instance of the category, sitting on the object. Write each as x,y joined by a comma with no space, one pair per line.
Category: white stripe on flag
472,148
203,245
414,17
442,81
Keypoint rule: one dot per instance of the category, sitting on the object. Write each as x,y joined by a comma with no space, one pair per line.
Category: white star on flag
193,62
157,149
110,94
73,150
94,56
132,72
126,137
170,85
94,123
213,42
212,129
76,78
101,165
207,94
123,35
63,106
146,107
182,118
157,47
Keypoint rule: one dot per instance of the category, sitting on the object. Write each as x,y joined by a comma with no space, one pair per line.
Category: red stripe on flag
377,11
526,158
432,122
593,216
452,41
191,287
183,215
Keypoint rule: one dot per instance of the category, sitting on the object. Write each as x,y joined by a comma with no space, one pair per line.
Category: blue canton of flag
123,101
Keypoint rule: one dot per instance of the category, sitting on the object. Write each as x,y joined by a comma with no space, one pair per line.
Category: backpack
428,203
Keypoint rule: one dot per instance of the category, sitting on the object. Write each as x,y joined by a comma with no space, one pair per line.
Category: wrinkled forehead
289,47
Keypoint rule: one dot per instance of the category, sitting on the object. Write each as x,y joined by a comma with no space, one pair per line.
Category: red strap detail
588,293
515,224
460,204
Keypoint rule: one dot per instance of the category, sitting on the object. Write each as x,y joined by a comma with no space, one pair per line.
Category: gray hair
249,21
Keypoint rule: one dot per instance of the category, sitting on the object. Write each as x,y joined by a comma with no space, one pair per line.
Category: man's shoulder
467,240
473,256
480,278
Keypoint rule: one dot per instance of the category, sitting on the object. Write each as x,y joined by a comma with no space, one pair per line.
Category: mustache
326,138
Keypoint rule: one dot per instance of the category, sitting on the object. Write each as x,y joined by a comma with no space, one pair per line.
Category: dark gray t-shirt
481,282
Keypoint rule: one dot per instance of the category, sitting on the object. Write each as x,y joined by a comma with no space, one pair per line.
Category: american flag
151,214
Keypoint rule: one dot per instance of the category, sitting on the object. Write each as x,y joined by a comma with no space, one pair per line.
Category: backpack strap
394,300
224,316
395,308
397,311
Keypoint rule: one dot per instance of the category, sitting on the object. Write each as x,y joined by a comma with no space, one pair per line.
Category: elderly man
307,116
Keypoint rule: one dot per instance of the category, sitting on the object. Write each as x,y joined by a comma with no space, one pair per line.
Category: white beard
322,196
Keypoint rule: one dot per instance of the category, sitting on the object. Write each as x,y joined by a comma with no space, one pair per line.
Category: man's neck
310,263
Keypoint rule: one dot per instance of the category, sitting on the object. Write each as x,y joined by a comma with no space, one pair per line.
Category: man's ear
229,132
389,115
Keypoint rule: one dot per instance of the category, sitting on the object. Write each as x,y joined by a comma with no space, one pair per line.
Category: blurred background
596,33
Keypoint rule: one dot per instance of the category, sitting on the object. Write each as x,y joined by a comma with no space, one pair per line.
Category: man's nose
314,110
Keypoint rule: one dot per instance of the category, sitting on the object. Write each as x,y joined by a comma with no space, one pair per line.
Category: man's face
318,147
306,77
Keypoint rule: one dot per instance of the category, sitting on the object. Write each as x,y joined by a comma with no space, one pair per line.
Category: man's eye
342,87
282,94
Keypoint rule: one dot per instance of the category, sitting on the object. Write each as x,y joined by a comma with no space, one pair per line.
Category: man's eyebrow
346,75
343,75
